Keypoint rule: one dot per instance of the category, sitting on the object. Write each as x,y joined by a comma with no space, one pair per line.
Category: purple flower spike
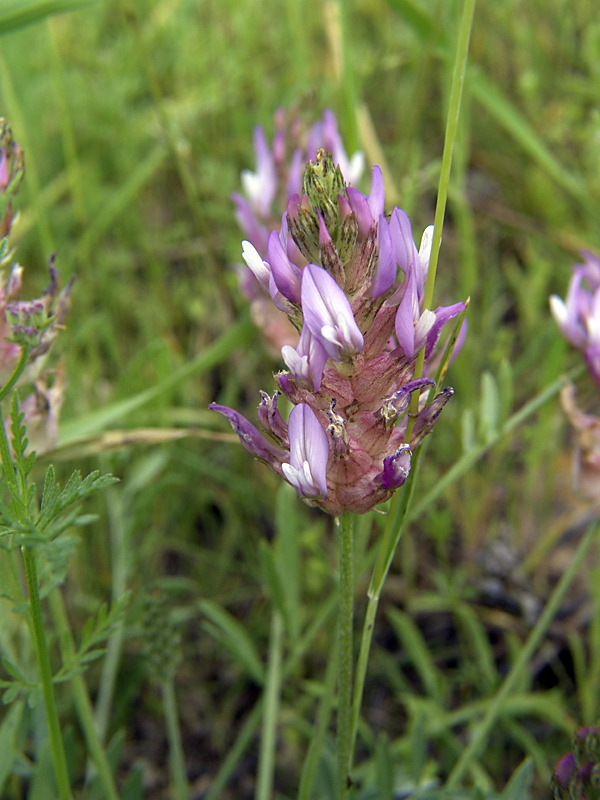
332,267
309,453
328,314
307,361
396,468
250,437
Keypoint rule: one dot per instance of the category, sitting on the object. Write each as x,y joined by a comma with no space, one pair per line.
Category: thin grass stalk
246,735
83,704
266,762
345,620
179,781
389,542
57,749
516,674
120,559
456,92
399,508
311,762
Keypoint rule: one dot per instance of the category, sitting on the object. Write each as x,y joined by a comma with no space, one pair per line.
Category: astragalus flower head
357,301
267,191
578,318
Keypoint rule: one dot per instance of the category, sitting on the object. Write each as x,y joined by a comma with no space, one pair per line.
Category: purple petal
260,269
244,215
360,206
260,186
407,314
286,275
396,468
442,315
405,249
376,198
294,184
251,439
307,361
385,274
309,453
328,314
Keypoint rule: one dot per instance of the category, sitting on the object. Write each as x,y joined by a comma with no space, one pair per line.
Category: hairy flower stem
181,789
83,704
345,619
266,762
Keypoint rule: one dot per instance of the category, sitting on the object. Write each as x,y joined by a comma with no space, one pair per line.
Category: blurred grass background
136,117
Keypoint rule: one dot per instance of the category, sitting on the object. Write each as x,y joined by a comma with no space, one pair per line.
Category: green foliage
15,14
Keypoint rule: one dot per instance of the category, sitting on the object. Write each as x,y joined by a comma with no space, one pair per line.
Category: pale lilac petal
407,314
309,453
260,268
328,314
307,361
294,184
332,142
286,275
592,359
360,206
405,249
244,215
425,251
3,170
261,186
376,198
385,274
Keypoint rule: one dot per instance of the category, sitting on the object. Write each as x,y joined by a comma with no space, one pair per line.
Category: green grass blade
19,13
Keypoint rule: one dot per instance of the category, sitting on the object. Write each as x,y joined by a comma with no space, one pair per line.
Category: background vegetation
136,117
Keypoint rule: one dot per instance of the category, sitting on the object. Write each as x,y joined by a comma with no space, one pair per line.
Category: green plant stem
21,364
456,92
345,619
83,704
494,709
266,762
389,542
176,755
43,661
36,624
